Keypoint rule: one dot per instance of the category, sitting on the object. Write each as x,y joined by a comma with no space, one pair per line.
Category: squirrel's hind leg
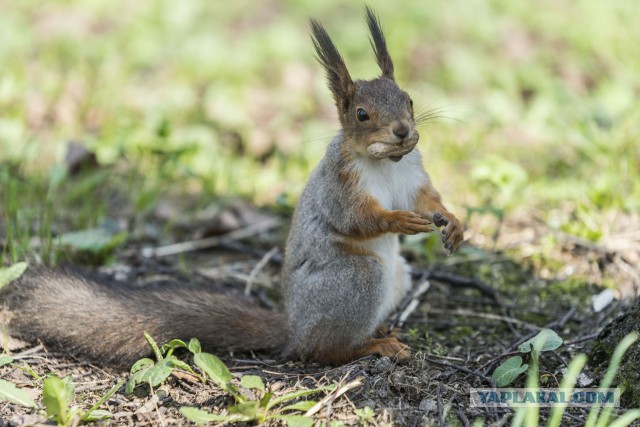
388,346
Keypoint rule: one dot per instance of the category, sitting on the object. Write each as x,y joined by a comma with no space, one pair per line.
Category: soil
458,334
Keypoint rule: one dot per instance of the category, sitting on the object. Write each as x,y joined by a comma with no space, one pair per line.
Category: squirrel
342,275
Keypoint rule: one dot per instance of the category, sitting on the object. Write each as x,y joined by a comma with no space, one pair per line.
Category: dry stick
29,351
193,245
410,304
578,340
333,396
456,280
488,316
231,276
440,417
259,266
462,369
97,387
628,268
464,419
242,248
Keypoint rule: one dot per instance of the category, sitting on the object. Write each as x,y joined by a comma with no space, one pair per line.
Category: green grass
538,103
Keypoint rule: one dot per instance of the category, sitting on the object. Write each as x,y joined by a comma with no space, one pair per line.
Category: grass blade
568,382
619,352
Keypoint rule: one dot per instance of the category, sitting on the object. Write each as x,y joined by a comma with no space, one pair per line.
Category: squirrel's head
376,115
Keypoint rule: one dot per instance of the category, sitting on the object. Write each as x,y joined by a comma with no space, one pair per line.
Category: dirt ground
477,308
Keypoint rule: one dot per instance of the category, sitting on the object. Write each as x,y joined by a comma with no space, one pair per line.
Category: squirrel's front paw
408,222
452,233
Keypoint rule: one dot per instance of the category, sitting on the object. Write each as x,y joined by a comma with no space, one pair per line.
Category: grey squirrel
342,274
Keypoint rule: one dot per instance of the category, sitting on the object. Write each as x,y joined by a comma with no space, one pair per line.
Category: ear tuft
379,44
338,76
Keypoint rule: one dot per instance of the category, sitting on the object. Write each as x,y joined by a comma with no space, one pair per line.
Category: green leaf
69,388
159,372
199,416
169,347
296,420
626,419
96,415
143,363
94,411
134,380
612,370
194,346
546,340
9,392
508,371
250,409
296,394
153,375
154,346
54,397
214,368
365,414
303,406
568,383
252,382
93,240
180,364
5,360
264,402
9,274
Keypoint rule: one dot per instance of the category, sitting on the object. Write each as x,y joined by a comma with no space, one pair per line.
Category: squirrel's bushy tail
105,322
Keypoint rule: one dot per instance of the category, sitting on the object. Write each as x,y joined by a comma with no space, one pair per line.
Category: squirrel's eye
362,115
411,102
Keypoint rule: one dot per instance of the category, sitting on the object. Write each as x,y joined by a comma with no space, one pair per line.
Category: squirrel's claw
452,233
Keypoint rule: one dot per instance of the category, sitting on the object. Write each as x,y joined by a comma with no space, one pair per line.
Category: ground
457,335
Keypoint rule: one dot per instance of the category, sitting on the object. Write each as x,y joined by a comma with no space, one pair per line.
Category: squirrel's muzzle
394,151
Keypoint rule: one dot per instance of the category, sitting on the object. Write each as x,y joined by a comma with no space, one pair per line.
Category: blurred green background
536,104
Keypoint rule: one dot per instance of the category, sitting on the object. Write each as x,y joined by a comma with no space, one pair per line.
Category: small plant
146,371
548,340
365,415
57,395
267,407
529,416
510,369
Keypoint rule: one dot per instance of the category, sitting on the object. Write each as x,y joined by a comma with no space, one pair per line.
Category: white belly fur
394,185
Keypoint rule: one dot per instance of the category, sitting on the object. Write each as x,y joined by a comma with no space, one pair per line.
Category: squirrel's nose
401,130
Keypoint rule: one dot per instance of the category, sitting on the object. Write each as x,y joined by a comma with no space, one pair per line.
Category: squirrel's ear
338,76
379,44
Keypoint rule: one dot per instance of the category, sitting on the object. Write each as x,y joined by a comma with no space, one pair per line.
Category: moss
629,372
571,288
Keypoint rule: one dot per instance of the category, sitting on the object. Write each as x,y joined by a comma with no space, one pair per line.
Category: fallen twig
409,305
259,266
466,282
193,245
333,396
488,316
488,380
440,417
